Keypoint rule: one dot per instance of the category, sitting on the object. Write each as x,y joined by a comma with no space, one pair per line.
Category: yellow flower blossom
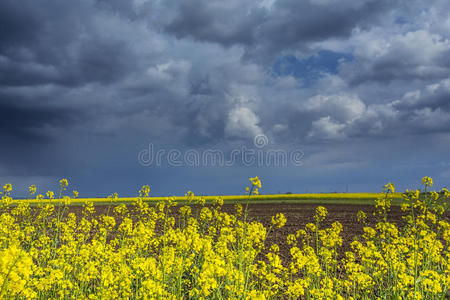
32,189
7,187
50,195
279,220
321,213
427,181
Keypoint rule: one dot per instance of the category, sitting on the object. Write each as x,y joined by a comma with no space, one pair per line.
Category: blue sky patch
311,68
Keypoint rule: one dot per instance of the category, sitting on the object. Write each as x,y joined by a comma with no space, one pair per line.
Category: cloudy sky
92,90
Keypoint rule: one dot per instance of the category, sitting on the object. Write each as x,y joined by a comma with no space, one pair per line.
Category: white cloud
242,123
326,128
344,108
384,56
279,128
429,118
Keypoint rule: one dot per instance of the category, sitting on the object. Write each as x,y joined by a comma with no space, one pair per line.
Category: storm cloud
86,85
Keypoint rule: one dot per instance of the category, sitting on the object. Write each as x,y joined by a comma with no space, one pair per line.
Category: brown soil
298,215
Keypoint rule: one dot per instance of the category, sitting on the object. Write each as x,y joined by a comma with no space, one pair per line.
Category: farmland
318,198
246,247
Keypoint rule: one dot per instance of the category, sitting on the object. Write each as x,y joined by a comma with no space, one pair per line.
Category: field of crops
318,198
199,247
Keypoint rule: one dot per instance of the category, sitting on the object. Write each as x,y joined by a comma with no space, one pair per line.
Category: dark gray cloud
56,43
29,124
267,31
293,25
17,24
30,118
228,23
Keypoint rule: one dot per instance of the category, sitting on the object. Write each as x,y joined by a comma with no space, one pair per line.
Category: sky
309,95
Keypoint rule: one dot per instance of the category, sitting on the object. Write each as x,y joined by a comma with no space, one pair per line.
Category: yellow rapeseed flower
7,187
427,181
63,182
321,213
279,220
32,189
